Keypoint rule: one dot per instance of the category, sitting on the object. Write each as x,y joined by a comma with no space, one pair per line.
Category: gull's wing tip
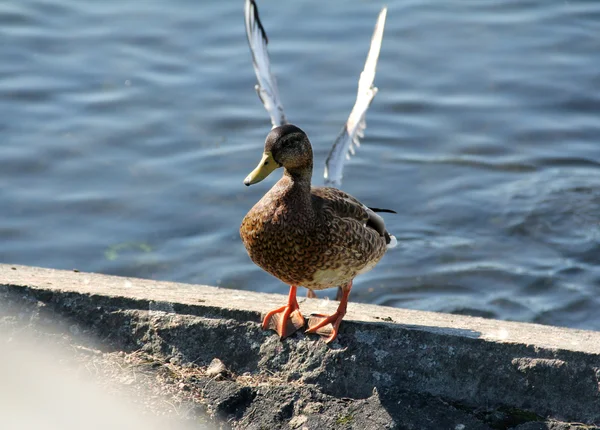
267,86
382,13
353,130
381,18
252,12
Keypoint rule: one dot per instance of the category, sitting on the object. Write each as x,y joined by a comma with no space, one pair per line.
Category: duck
335,210
315,237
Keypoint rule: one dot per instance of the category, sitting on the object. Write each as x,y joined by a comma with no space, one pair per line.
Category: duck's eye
266,162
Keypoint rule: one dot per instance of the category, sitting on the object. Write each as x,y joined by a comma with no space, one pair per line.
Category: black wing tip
390,211
258,22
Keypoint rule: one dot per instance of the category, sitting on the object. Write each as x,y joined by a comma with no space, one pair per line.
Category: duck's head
286,146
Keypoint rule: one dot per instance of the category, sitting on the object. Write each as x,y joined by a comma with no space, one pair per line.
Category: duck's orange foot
287,319
325,325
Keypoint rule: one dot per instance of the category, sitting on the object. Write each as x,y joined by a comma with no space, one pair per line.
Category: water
128,127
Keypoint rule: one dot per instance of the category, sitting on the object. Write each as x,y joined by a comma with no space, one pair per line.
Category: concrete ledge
382,355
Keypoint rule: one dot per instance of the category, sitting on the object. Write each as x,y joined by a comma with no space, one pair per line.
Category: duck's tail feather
392,243
390,211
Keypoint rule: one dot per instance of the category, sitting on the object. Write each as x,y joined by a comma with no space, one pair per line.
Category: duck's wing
339,203
354,128
342,205
267,86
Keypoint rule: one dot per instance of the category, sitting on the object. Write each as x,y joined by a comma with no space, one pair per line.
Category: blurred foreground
52,382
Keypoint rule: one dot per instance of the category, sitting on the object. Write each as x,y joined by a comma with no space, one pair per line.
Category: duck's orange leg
327,325
287,319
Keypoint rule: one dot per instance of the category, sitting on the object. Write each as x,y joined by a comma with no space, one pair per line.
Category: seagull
353,130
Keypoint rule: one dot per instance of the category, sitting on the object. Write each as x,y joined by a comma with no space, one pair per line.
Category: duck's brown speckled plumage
316,237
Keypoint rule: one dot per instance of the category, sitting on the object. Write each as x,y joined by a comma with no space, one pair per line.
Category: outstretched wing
267,86
354,128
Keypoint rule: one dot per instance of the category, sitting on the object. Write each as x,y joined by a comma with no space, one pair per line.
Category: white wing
267,86
354,128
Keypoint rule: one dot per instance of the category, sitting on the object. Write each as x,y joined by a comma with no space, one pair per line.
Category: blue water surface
127,129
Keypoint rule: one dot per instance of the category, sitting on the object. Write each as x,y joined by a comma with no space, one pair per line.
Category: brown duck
315,237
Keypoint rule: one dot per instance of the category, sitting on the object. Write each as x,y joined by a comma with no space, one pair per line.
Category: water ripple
128,129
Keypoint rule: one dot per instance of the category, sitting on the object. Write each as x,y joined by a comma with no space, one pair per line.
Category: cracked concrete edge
552,371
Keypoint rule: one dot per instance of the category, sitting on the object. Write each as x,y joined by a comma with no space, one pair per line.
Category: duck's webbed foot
287,319
327,326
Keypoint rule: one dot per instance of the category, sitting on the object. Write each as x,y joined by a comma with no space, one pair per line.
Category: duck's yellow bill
265,167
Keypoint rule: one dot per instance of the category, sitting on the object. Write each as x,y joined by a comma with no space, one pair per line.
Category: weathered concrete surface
389,367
